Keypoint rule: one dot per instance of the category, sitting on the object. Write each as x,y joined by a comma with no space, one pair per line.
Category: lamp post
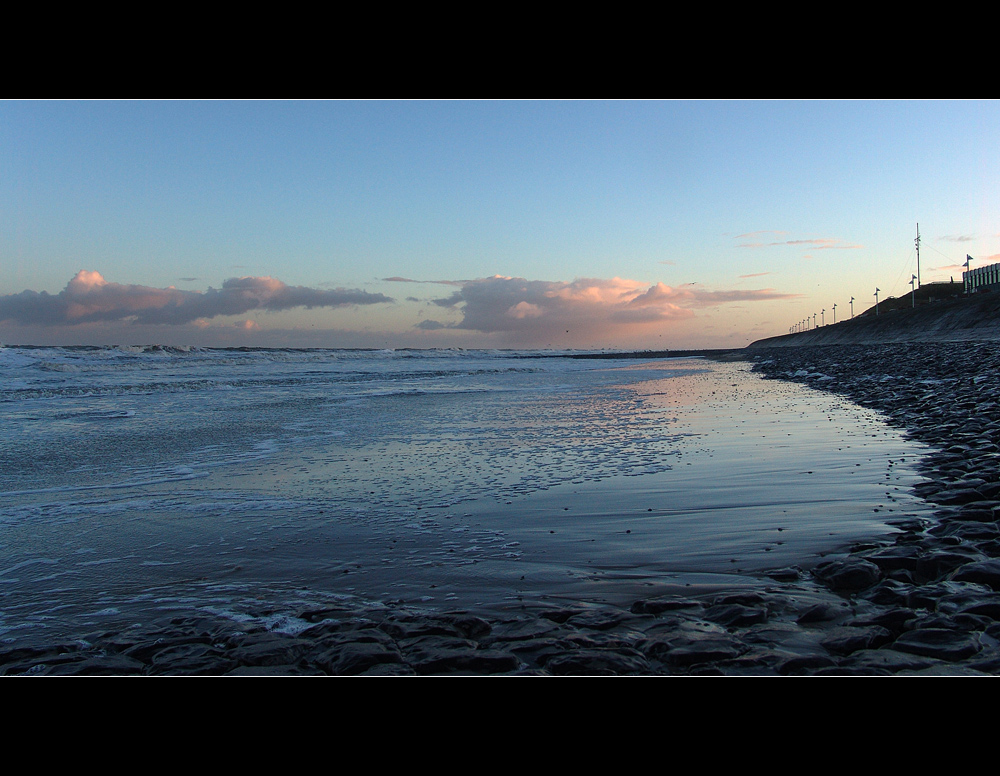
822,317
852,307
913,296
876,302
834,313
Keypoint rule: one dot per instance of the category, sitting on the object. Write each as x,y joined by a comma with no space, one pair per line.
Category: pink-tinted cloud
397,279
88,297
977,261
819,243
584,306
759,232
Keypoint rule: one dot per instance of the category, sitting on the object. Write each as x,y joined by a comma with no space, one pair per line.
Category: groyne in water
963,319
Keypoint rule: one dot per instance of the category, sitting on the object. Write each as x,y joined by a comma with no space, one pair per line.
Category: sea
143,482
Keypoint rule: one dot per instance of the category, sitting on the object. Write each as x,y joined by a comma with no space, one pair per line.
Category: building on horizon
982,279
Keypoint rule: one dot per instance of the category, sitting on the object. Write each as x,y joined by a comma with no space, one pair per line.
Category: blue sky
479,223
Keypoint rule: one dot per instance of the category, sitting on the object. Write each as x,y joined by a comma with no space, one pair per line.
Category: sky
500,224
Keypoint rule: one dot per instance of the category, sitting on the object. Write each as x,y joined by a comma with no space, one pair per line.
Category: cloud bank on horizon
586,307
89,298
508,309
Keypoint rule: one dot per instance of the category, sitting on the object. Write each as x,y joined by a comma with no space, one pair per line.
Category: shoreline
920,601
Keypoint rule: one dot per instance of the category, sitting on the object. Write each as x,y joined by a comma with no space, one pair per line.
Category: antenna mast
917,241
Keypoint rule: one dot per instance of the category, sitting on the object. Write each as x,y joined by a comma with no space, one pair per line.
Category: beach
802,511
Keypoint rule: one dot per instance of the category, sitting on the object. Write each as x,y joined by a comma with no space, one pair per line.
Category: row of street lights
803,325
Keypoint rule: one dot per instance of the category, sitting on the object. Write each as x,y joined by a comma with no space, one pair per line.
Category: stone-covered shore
924,601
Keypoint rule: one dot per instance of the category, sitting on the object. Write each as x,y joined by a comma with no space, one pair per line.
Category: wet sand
752,486
590,594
